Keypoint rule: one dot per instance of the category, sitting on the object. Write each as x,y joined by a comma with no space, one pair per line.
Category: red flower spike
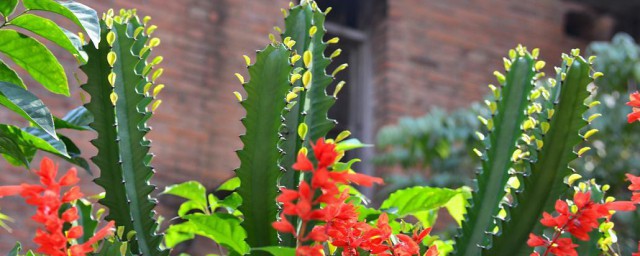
433,251
634,101
303,163
48,197
637,253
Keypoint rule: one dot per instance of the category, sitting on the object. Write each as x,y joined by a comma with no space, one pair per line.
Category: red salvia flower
634,187
48,197
634,101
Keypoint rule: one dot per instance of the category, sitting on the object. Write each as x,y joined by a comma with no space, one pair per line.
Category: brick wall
427,53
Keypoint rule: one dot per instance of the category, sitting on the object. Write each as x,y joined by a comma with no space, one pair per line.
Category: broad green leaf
7,7
55,143
9,75
191,190
80,14
179,233
277,250
75,155
351,144
36,59
188,206
224,229
457,206
27,105
230,185
47,29
418,199
77,119
232,201
21,145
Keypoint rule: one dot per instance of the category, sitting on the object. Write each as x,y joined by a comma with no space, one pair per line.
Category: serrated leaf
27,105
48,30
36,59
80,14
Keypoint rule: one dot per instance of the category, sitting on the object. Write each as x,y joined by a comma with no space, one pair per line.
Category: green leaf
418,199
75,155
7,7
351,144
36,59
27,105
9,75
46,29
259,170
224,229
230,185
232,201
191,190
21,145
179,233
53,145
277,250
77,119
80,14
457,206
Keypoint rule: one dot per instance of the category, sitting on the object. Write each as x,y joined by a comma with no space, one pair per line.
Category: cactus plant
119,87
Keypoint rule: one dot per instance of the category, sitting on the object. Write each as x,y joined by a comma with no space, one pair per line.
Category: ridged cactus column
121,95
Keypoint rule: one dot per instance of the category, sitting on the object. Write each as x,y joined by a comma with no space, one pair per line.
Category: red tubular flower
634,187
48,198
634,101
322,200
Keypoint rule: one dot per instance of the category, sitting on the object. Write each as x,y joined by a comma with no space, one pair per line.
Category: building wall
427,53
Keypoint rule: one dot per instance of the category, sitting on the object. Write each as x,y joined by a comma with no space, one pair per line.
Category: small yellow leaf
336,53
146,88
512,54
343,135
573,178
284,12
507,64
583,150
155,105
592,59
157,74
277,29
480,136
137,32
589,133
247,60
594,103
302,130
157,60
154,42
295,78
291,96
308,57
295,58
535,53
238,96
475,150
240,77
313,30
596,75
291,43
545,127
501,78
114,98
339,68
111,38
303,151
111,58
575,52
334,40
306,79
516,155
157,90
539,144
593,117
151,29
328,10
338,88
272,38
540,65
112,79
146,20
